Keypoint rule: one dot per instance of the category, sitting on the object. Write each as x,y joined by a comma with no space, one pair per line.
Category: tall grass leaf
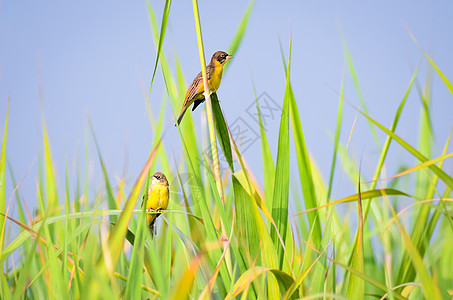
388,140
336,139
4,287
163,29
221,130
357,86
267,160
281,187
237,39
356,285
51,190
111,203
3,182
19,205
303,162
246,227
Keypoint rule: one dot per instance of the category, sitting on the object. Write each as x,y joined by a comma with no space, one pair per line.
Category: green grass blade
222,130
356,285
305,169
4,290
163,29
267,160
111,203
240,31
439,172
336,139
281,186
246,225
357,86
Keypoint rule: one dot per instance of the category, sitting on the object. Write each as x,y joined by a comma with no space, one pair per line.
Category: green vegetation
236,238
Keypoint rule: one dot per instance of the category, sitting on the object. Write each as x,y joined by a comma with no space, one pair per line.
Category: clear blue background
96,57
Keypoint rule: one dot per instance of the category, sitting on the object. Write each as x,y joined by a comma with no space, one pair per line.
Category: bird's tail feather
152,226
180,116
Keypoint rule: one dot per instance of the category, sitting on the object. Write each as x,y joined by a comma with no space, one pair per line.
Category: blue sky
96,58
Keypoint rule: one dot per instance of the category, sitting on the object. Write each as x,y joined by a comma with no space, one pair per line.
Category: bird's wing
196,85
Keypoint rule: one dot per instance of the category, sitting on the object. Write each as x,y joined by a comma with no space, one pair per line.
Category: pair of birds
157,195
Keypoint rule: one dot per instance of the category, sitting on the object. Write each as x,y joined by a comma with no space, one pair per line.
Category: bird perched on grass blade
156,198
195,92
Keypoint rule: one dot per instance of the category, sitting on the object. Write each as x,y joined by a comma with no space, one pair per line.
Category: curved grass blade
284,280
364,195
439,172
240,32
163,29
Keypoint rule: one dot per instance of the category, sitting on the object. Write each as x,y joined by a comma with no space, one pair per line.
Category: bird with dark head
156,199
195,92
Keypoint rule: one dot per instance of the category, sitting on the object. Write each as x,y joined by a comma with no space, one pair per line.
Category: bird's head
220,57
160,177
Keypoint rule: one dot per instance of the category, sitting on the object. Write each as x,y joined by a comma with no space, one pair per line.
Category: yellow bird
156,198
195,92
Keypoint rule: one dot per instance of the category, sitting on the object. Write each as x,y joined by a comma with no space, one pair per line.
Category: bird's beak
229,56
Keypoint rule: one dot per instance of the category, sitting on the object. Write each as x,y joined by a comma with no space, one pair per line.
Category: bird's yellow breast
157,196
216,76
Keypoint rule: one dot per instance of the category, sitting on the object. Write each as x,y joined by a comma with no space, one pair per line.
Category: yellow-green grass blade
356,285
305,169
364,195
20,208
336,139
279,209
303,162
135,275
368,279
298,282
51,190
221,130
3,181
184,285
429,286
4,290
439,172
242,284
111,203
267,160
246,227
423,229
51,232
434,65
240,31
357,86
163,29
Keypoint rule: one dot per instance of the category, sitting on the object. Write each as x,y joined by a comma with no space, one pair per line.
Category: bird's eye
157,177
